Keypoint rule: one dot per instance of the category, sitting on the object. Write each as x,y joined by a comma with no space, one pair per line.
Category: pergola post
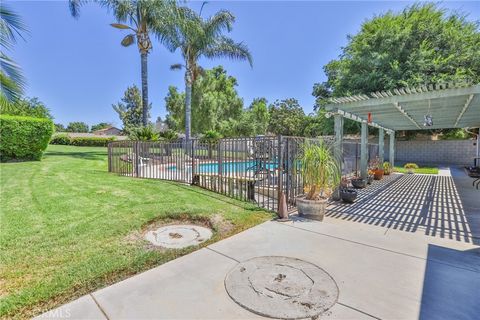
364,151
381,140
338,147
392,148
338,129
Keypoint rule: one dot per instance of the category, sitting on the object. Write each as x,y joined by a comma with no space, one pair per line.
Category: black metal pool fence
256,169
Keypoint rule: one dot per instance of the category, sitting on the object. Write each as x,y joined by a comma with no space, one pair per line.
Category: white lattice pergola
450,105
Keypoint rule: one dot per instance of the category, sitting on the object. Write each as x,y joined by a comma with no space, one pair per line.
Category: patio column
364,151
381,140
392,148
338,148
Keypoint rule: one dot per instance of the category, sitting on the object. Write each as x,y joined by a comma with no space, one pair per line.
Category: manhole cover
282,287
178,236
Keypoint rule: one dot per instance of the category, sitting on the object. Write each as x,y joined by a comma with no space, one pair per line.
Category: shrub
411,166
147,133
64,139
24,138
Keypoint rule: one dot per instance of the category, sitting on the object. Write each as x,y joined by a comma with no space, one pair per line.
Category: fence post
220,166
136,157
109,157
192,178
280,173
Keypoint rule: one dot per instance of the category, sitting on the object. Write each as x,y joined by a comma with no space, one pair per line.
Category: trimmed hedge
81,141
24,138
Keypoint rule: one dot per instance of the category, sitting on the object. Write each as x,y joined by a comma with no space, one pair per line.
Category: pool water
230,167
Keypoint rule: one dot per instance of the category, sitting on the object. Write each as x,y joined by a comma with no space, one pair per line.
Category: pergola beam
399,108
407,97
354,117
467,104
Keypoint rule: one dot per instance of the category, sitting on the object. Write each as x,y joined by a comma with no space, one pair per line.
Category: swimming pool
231,167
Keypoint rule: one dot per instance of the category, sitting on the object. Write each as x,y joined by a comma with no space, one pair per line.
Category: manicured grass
67,225
424,170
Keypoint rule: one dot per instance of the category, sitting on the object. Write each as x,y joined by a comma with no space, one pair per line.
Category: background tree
59,127
31,107
422,44
77,127
197,37
100,126
215,101
286,117
12,81
130,109
142,16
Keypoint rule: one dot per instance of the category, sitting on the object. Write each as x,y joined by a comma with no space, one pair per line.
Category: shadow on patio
450,284
430,204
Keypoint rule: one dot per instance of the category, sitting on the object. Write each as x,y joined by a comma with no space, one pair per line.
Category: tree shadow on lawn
86,155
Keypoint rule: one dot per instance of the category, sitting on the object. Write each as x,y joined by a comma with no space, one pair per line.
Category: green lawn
424,170
67,226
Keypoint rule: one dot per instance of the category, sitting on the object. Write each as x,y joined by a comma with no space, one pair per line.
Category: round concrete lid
178,236
281,287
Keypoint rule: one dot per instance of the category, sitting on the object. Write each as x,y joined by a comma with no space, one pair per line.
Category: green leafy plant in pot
321,174
387,168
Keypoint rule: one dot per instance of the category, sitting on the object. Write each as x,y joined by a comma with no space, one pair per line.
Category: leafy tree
31,107
175,105
317,124
142,17
286,117
197,37
77,127
130,109
12,81
100,126
259,110
422,44
60,127
215,100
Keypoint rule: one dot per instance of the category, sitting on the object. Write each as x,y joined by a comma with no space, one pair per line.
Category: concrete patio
381,271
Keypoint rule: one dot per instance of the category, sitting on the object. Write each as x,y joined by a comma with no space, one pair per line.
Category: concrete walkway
381,274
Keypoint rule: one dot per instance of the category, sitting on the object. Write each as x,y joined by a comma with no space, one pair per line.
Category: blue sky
78,67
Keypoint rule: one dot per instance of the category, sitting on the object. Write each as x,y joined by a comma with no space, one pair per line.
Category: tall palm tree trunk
144,67
188,104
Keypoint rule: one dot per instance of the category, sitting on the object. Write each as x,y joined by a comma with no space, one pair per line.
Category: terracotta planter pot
312,209
378,174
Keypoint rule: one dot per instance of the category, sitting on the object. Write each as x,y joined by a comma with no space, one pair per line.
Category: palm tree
197,37
11,78
142,16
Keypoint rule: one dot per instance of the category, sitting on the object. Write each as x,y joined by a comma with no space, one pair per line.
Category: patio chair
474,172
131,157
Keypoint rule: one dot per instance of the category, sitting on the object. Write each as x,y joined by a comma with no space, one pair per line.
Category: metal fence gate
257,169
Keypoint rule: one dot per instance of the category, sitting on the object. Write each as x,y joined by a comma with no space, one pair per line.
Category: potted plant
321,173
377,168
358,182
410,167
370,176
347,194
387,168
